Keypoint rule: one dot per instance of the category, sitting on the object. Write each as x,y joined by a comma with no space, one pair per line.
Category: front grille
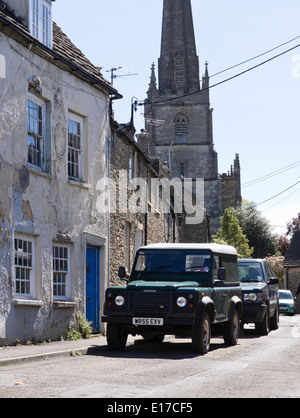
158,302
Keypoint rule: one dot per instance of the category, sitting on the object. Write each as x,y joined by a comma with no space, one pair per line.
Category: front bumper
253,312
287,309
128,320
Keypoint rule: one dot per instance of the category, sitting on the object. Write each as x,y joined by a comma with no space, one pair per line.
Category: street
260,367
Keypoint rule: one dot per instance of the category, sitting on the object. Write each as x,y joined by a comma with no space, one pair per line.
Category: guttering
75,69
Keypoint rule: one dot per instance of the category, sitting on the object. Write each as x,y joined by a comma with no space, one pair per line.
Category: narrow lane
256,367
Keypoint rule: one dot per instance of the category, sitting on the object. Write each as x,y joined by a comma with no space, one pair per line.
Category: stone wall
159,225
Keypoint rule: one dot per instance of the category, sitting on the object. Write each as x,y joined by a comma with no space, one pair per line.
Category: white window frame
40,21
61,266
75,151
38,136
24,266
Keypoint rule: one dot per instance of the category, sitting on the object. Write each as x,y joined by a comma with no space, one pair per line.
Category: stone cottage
292,266
138,217
54,142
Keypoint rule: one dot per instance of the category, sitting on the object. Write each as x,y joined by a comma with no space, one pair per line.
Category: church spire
178,63
205,78
153,85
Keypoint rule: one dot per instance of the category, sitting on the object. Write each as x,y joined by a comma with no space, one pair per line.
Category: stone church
178,116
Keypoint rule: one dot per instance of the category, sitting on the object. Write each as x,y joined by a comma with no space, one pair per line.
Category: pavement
27,353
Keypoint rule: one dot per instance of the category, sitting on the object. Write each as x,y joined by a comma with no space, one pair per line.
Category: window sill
61,304
78,183
29,302
38,172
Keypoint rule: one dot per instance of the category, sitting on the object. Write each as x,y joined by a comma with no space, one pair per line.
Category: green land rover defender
177,289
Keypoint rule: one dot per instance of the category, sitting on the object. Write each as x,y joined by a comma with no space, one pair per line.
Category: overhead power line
271,175
254,58
279,194
230,78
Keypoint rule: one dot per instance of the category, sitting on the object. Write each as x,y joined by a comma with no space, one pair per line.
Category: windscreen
176,265
250,271
285,295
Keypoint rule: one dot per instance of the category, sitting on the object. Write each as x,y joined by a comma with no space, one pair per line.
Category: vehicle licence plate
148,321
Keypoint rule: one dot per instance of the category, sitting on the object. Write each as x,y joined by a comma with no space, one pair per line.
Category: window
179,69
127,245
24,266
181,125
35,126
132,165
61,272
40,21
75,147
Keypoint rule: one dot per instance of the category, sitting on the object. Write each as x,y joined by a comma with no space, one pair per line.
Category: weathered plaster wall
48,205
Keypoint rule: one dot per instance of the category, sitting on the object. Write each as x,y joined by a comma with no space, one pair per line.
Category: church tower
178,116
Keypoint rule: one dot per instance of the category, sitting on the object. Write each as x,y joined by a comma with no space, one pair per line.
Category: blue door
93,287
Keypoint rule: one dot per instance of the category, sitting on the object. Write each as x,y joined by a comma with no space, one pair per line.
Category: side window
24,256
40,21
36,132
216,266
61,272
268,270
75,146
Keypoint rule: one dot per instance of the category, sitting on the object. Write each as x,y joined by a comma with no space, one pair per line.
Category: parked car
286,302
260,295
177,289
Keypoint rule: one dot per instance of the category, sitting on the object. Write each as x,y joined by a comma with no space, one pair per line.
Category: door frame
96,305
100,242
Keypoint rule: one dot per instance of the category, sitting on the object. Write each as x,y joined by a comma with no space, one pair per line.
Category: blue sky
255,115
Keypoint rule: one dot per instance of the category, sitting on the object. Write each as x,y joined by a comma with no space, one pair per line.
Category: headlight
181,302
250,296
119,301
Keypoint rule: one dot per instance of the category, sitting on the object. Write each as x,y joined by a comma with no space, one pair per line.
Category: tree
283,244
258,230
231,233
293,226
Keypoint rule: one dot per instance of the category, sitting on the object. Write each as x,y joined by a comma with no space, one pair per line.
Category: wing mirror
123,274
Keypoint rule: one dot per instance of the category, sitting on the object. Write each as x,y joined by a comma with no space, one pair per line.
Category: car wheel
274,322
201,335
116,337
232,330
263,328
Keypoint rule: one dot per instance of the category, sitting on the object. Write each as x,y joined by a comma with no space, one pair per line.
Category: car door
273,288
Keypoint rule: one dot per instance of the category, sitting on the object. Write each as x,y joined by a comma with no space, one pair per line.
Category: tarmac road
259,367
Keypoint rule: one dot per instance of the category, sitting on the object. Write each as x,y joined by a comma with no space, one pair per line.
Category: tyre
274,322
263,328
116,337
231,330
201,335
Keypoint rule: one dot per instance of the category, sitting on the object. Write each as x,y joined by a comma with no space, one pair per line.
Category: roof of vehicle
251,260
215,248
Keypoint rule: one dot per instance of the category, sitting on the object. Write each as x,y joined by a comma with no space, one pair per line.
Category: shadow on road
170,350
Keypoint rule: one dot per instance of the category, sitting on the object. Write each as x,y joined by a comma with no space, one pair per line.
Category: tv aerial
113,74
